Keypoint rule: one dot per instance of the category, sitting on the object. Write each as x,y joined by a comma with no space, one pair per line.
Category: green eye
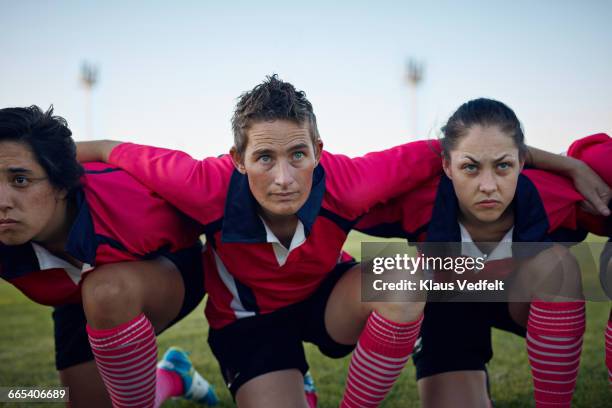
470,168
298,155
503,166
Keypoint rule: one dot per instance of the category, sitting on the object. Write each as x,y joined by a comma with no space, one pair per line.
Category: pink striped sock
609,351
554,343
126,357
382,351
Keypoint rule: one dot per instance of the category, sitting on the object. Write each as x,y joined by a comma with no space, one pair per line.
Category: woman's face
30,207
484,167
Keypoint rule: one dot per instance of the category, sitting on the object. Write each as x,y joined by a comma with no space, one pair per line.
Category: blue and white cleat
196,388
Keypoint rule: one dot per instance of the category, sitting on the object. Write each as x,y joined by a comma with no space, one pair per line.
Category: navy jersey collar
530,218
82,242
241,221
443,226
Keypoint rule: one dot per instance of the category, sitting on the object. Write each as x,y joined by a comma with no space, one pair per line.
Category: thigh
116,293
551,273
456,389
346,314
324,314
86,389
284,388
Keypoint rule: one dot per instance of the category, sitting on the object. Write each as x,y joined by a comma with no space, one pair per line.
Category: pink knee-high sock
609,351
382,351
554,344
126,357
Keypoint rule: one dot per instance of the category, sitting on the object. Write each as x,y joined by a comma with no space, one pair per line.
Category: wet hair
49,139
271,100
483,112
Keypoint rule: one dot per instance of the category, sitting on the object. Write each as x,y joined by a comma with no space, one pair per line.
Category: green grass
27,357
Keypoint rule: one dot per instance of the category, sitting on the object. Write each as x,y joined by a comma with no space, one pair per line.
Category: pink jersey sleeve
196,187
355,185
403,216
558,196
596,151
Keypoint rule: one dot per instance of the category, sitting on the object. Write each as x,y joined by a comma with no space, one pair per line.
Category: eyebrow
299,146
262,151
500,158
503,156
15,170
471,158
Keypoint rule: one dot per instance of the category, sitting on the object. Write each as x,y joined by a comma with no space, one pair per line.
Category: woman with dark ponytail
488,202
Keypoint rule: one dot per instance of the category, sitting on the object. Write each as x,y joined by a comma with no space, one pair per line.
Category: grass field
27,357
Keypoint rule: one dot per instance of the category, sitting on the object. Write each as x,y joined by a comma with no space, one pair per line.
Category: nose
488,183
283,176
6,199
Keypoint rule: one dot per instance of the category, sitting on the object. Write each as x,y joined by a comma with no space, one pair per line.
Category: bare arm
595,191
96,150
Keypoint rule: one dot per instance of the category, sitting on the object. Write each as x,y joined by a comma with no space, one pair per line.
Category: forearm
96,150
556,163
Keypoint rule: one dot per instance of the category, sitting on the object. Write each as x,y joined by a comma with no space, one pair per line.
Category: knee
109,296
564,263
400,312
557,272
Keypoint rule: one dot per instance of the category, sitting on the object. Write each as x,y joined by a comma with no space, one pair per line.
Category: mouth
7,224
284,196
488,203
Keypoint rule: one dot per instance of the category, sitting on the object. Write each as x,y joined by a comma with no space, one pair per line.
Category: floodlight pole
414,76
89,79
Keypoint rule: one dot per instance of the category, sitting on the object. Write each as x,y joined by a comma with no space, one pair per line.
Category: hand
596,192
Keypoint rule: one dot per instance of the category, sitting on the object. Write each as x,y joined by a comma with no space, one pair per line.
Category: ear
61,195
318,147
238,160
446,166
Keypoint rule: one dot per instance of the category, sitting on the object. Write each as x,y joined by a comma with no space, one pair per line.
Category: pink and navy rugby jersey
545,205
118,220
247,270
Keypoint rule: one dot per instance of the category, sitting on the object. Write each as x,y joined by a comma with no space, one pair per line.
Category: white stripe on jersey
230,284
